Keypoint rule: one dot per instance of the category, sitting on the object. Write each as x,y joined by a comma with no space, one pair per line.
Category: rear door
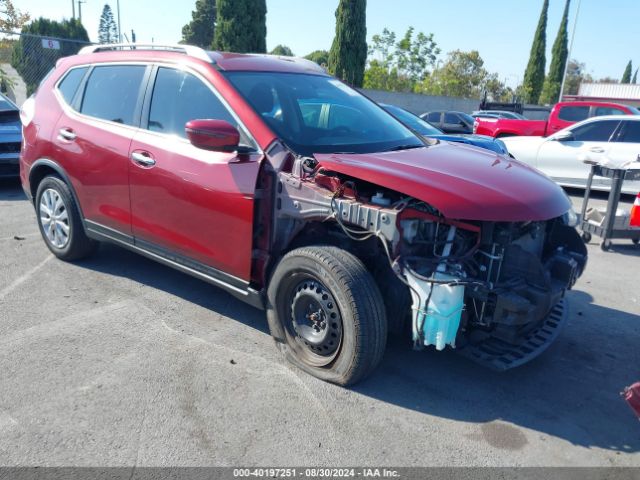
626,148
93,136
453,123
191,204
564,160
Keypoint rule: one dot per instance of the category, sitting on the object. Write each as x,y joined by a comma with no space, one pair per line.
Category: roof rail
190,50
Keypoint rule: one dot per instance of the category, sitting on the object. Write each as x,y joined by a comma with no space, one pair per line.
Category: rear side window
599,131
179,97
574,114
631,133
70,83
451,118
434,117
600,111
112,93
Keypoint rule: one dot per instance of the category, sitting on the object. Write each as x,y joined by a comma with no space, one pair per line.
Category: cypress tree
241,26
534,74
560,52
199,31
635,77
107,29
348,54
626,76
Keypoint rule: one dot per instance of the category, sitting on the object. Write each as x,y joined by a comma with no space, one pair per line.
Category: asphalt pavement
119,361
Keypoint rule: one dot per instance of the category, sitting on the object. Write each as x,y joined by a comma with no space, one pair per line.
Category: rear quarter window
70,83
573,114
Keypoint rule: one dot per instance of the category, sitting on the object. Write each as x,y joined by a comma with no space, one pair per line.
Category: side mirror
564,137
216,135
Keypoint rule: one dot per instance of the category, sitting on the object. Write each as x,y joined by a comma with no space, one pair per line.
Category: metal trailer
608,229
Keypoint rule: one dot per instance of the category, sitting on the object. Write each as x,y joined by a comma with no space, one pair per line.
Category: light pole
73,9
119,29
566,65
80,2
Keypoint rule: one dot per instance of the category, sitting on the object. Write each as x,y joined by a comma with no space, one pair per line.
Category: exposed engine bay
493,290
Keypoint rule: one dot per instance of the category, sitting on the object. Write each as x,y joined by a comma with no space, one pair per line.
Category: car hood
483,141
461,182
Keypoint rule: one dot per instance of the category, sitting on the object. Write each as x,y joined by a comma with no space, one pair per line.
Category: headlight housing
570,218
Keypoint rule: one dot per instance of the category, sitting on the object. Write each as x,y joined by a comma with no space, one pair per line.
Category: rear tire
59,221
326,314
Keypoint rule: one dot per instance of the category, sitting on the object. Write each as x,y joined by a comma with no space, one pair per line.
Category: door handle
67,134
596,149
143,158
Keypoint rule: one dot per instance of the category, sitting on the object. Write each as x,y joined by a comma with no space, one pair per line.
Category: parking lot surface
118,361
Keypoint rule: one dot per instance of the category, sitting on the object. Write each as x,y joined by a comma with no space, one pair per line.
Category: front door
194,204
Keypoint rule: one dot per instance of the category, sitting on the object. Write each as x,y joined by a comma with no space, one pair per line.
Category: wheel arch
44,167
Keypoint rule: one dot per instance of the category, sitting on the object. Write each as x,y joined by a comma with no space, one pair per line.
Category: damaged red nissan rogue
271,179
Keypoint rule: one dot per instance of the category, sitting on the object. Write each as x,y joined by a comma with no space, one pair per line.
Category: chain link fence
25,59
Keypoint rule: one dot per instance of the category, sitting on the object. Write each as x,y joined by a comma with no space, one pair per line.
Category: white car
613,139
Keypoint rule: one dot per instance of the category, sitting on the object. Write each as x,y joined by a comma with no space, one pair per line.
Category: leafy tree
534,74
398,65
32,61
200,30
626,76
321,57
576,74
10,17
553,82
348,54
497,91
107,29
635,77
282,50
462,75
241,26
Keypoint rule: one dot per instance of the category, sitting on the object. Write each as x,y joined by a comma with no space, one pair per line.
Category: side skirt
235,286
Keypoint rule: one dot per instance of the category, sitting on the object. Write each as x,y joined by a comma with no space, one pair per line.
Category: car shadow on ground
570,392
10,190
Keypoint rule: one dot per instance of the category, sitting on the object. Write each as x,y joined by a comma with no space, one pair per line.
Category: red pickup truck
562,115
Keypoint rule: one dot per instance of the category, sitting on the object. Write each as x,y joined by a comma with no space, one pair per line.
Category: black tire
586,237
77,244
311,279
605,246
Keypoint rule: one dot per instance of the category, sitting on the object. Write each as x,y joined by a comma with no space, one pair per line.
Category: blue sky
501,30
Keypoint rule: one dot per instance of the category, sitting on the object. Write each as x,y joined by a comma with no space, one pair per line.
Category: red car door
194,204
93,136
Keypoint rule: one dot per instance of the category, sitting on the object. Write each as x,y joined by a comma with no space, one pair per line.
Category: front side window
179,97
595,131
631,133
112,93
601,111
319,114
451,118
70,83
573,114
434,117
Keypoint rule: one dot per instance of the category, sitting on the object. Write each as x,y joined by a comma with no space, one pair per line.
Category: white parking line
23,278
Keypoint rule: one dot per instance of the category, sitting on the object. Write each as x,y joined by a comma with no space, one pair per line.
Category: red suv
271,179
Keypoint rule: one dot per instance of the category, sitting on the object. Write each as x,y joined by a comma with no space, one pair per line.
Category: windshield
318,114
412,121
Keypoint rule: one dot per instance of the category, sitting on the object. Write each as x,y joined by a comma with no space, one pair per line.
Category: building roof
614,91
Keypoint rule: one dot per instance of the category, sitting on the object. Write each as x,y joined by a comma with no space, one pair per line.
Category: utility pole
119,29
80,2
73,8
566,65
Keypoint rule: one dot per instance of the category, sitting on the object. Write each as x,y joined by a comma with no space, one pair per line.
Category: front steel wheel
326,314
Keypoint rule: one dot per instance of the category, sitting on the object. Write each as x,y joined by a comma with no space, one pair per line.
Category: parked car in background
561,156
425,129
562,115
10,138
497,114
450,122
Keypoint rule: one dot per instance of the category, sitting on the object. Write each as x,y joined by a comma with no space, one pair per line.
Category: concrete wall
419,104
